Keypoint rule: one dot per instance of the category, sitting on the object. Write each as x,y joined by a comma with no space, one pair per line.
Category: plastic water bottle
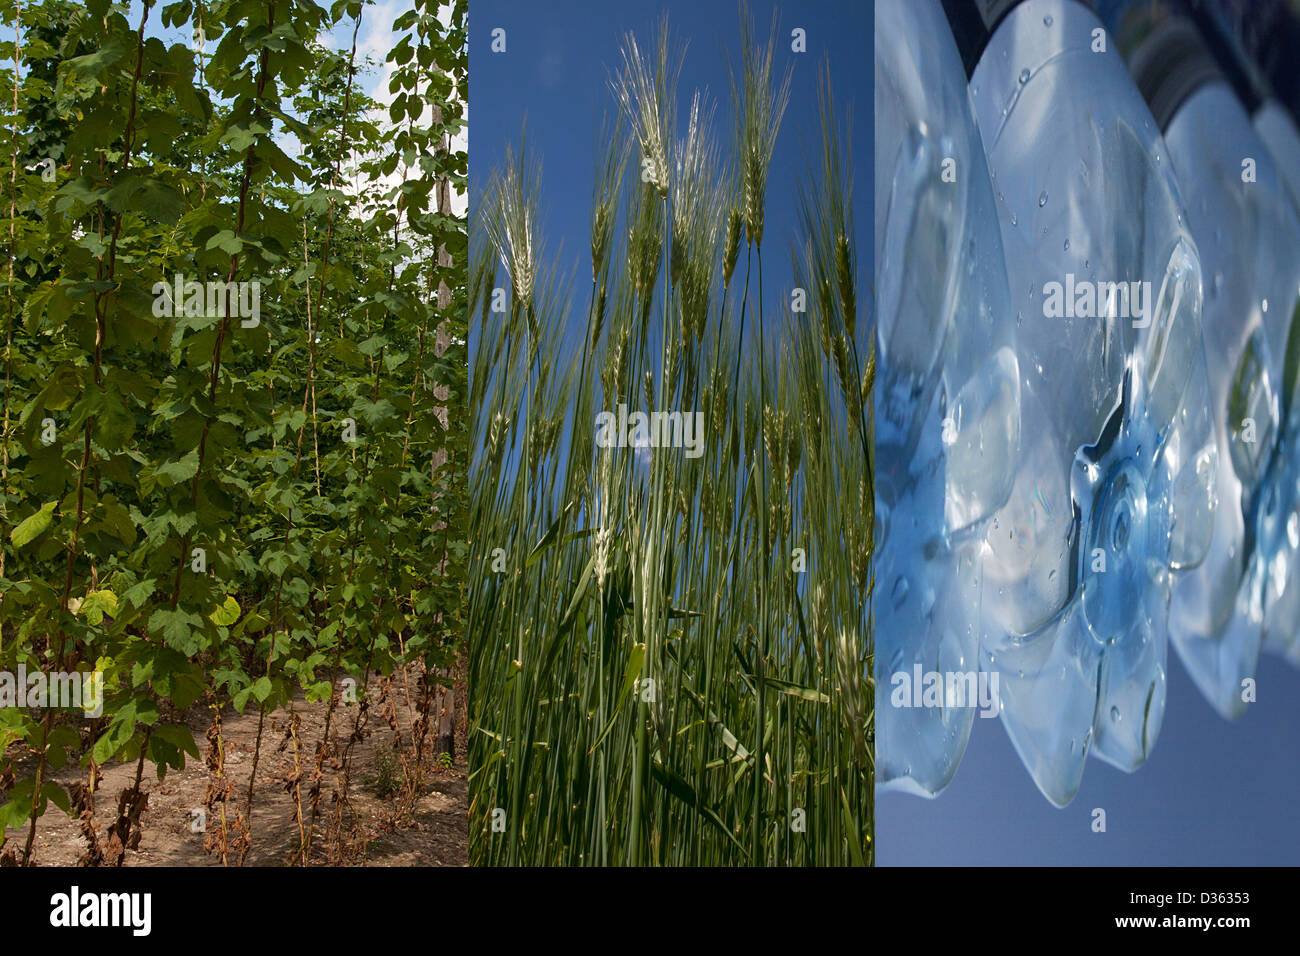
1248,234
1267,33
947,402
1277,130
1114,493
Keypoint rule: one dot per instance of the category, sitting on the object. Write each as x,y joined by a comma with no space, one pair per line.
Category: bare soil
431,829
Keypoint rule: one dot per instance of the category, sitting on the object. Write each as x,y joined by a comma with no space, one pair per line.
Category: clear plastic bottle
947,422
1114,492
1266,34
1277,130
1248,233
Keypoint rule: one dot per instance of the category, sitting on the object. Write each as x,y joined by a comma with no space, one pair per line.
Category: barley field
670,626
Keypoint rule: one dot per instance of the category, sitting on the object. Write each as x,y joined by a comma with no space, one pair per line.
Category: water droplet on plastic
1042,199
1024,76
900,590
1047,20
1067,245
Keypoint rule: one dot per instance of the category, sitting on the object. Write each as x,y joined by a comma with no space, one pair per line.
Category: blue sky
555,74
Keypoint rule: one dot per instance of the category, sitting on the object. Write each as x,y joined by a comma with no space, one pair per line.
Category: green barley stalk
652,679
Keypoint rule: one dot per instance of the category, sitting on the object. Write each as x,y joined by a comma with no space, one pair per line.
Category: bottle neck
973,23
1269,34
1242,75
1166,54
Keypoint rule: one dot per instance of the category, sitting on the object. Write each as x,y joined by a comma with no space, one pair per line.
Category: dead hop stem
219,789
